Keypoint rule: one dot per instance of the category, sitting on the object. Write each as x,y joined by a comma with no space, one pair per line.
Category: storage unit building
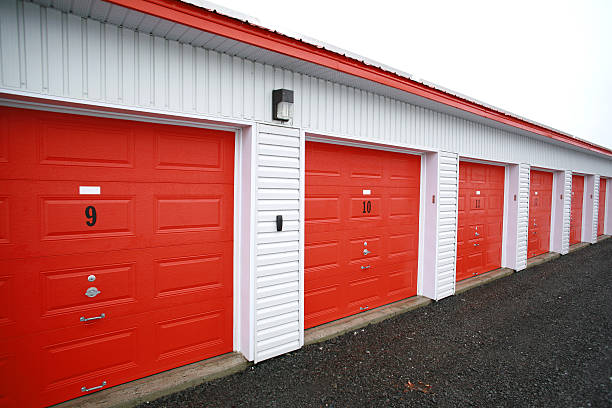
177,183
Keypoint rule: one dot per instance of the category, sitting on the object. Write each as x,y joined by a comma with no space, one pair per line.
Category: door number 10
367,207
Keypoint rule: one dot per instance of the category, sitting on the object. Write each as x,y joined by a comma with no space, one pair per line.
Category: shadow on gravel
538,338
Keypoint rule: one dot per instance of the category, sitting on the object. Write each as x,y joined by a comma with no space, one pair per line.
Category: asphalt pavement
538,338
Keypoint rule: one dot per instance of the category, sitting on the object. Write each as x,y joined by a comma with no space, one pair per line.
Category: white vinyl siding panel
11,48
522,228
278,325
595,209
567,206
46,52
448,187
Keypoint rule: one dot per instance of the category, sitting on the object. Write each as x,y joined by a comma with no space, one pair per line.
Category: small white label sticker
89,190
477,192
367,192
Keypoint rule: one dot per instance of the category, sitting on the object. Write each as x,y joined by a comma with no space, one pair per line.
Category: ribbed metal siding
447,224
63,55
567,205
595,209
277,279
522,228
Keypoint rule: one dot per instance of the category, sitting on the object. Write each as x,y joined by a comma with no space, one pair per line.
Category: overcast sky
550,61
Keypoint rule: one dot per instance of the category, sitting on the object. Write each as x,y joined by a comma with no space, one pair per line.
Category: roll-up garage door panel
325,169
576,209
131,281
338,225
55,223
124,348
540,207
480,224
160,248
108,149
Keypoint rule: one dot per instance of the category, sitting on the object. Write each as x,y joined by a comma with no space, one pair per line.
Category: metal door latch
365,251
364,308
85,389
476,234
365,267
86,319
476,244
92,292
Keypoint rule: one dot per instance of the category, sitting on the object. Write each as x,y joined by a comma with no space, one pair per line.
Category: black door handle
279,222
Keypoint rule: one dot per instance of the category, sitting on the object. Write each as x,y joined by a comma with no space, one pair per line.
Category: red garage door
362,230
100,289
540,202
602,207
576,211
480,223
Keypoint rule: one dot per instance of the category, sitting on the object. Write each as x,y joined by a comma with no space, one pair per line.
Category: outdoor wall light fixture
282,104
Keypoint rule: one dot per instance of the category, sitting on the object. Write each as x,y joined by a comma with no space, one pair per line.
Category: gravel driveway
538,338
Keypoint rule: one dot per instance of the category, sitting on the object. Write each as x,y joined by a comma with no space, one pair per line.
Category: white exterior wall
440,224
567,208
560,212
61,55
587,209
428,237
447,224
516,216
522,235
510,215
595,218
279,273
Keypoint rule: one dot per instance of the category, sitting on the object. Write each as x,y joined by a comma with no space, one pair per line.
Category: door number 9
367,207
90,213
